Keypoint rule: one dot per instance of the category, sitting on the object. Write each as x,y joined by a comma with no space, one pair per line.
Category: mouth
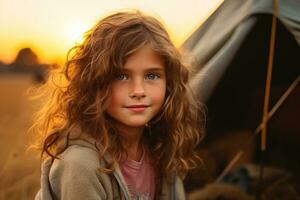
137,108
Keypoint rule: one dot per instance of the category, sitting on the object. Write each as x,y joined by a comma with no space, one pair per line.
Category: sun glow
51,28
75,32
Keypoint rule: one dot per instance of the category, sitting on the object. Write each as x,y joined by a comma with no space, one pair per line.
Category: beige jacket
76,176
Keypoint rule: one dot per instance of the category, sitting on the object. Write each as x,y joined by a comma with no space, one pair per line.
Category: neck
132,141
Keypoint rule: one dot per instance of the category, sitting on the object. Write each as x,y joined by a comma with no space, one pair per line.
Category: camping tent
230,51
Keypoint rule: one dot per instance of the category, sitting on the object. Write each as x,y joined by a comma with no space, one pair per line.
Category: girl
122,123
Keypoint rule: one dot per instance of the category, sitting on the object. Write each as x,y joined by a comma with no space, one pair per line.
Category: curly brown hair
80,89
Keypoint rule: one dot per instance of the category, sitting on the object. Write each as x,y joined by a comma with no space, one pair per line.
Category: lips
137,108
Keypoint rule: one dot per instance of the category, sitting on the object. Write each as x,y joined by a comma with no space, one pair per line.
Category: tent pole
267,98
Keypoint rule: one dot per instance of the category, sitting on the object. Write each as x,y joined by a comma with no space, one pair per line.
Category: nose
137,89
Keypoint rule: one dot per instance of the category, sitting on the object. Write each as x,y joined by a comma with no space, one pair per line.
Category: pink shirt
139,177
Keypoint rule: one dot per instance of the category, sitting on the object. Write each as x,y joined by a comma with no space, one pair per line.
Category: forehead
144,58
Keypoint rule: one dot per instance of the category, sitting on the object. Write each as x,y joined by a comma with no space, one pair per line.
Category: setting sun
75,32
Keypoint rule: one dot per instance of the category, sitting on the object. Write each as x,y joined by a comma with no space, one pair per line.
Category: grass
19,168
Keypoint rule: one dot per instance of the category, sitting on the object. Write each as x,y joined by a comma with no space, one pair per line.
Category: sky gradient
51,27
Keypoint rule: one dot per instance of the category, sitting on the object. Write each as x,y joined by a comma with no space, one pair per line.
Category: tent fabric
217,41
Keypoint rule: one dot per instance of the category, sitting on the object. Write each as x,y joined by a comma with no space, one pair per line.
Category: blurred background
229,43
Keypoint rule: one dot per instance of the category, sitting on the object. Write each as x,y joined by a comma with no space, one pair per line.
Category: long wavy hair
80,89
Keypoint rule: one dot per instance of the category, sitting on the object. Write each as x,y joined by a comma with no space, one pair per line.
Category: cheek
158,95
117,96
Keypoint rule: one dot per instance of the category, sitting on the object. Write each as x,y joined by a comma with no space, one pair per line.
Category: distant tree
26,57
27,62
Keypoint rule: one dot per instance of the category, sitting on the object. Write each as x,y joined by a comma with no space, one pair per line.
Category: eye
122,77
152,76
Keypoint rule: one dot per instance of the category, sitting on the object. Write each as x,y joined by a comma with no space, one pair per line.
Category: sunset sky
51,27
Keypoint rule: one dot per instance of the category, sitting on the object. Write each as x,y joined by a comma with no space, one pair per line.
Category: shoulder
76,174
77,160
78,155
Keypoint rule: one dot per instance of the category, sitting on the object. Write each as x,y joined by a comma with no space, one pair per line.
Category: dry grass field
19,168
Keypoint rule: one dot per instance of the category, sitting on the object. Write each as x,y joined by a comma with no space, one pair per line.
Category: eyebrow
147,70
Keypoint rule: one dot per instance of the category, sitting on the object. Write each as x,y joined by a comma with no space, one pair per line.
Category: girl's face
138,92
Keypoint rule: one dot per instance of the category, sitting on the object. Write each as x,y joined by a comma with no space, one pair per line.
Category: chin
136,123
